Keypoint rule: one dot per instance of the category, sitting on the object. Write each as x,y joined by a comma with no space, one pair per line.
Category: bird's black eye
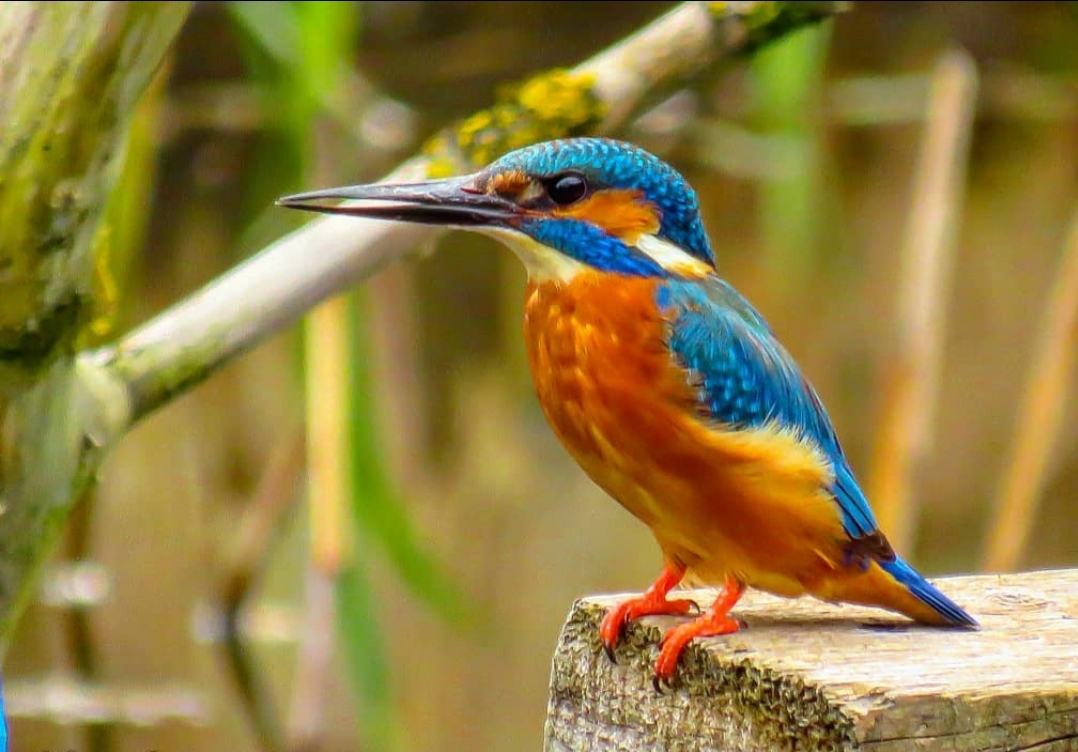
567,188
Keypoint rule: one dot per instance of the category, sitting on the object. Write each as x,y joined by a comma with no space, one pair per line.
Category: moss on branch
554,104
561,103
70,75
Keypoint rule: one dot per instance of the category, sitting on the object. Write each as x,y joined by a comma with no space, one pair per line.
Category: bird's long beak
454,202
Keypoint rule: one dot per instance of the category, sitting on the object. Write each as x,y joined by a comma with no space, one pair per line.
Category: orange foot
716,621
652,602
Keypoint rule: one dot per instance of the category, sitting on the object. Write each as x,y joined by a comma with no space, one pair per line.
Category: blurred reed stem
315,664
392,328
1039,420
249,556
910,370
329,445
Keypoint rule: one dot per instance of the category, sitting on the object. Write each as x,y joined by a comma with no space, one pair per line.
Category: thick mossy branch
71,75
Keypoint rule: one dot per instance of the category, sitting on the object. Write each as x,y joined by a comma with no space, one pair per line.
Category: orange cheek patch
622,213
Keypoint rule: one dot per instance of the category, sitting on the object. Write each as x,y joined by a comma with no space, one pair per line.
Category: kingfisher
667,387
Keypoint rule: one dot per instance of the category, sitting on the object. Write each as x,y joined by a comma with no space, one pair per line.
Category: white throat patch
542,262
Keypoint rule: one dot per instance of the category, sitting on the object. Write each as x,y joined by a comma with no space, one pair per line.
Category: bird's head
562,206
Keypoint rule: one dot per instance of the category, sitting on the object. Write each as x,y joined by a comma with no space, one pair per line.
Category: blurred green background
468,531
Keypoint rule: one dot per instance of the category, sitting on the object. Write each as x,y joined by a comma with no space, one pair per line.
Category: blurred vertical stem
1040,418
258,527
303,55
347,422
788,86
328,359
910,373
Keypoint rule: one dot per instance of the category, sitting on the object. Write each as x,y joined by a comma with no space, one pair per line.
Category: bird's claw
610,631
674,642
609,650
659,681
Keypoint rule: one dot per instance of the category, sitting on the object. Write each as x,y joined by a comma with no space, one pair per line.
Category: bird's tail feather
943,607
897,586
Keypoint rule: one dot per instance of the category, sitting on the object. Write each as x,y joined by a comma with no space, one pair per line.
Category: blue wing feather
748,379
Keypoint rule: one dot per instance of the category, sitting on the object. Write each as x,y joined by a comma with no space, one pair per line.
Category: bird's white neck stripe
670,257
546,264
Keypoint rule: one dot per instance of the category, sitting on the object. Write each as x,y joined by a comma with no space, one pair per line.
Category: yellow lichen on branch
555,104
602,92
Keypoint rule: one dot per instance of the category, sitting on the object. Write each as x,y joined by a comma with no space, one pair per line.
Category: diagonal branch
187,343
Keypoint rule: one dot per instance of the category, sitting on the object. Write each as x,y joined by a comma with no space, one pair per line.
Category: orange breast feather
749,503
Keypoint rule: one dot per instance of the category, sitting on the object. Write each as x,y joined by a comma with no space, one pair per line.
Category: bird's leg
652,602
717,621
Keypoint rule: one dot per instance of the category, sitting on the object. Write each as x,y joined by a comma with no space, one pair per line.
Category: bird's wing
747,379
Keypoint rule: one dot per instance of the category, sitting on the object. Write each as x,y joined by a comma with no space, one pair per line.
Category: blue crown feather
607,163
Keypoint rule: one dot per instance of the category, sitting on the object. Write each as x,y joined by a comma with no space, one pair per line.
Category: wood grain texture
805,675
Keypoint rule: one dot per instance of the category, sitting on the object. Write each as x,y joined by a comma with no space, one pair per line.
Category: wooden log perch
807,676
